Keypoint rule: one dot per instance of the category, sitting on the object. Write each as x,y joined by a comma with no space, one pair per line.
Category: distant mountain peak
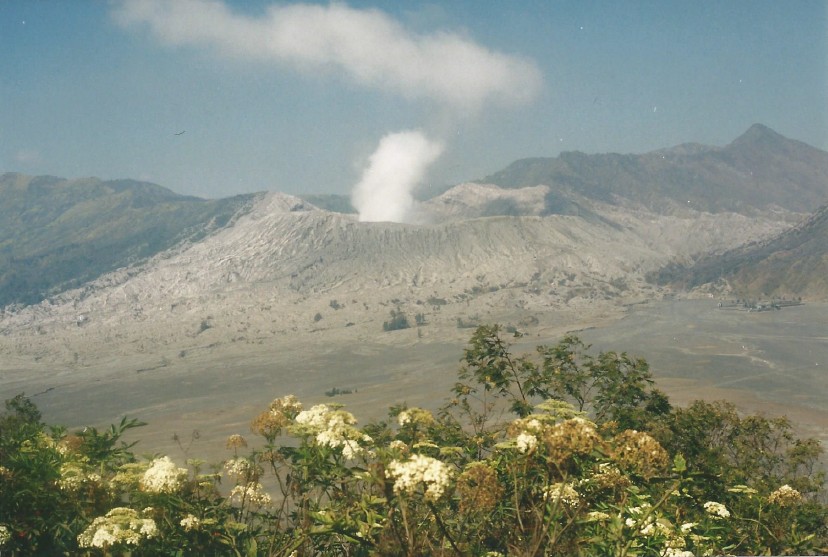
759,134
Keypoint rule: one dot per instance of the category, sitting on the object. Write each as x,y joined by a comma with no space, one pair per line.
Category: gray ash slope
480,252
273,269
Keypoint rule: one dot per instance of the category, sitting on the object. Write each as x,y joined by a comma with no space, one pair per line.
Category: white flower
597,516
639,510
121,525
676,552
403,417
5,534
350,449
533,425
563,492
190,522
322,416
332,428
716,509
420,470
163,476
648,529
252,493
102,537
785,495
72,477
288,405
147,527
687,527
526,442
241,470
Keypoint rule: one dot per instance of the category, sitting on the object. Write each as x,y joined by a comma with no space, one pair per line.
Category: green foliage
398,321
19,422
612,387
560,452
337,391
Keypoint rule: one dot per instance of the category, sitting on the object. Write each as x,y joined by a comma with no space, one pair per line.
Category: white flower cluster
784,496
606,475
677,552
653,527
190,522
322,416
636,520
638,511
252,493
73,476
650,525
716,509
5,534
415,416
163,476
241,469
333,428
289,405
434,475
526,442
121,525
564,493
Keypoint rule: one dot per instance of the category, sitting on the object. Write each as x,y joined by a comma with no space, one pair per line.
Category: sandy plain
768,362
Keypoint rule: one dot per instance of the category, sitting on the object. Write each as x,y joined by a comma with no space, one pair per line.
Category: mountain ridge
793,263
57,234
759,170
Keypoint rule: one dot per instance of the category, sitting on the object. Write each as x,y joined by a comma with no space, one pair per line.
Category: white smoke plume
370,48
367,45
397,165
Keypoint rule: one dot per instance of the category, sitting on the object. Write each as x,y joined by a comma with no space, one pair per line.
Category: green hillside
794,263
57,234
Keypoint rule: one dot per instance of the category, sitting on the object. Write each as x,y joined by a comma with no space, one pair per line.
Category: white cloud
395,168
369,46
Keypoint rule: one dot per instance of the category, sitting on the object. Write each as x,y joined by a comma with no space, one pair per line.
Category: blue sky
101,89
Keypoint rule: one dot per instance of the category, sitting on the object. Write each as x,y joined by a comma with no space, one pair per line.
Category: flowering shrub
592,460
120,526
434,476
163,476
